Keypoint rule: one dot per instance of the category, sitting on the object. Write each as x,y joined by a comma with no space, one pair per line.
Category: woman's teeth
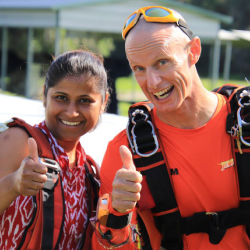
71,123
164,93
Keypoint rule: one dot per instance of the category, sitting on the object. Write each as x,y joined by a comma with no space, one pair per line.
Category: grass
128,91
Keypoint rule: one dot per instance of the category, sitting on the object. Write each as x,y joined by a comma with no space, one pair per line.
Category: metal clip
243,94
133,145
234,130
50,164
240,123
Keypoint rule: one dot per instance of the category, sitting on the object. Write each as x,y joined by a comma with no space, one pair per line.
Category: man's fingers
127,159
33,152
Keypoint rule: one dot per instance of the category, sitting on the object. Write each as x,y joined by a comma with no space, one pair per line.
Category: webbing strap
43,145
215,224
154,168
48,223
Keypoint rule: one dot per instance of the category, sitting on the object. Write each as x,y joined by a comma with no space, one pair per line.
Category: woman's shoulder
14,148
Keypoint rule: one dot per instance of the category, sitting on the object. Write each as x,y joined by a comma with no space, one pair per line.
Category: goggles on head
155,14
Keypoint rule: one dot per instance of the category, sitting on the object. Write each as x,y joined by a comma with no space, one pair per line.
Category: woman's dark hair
77,63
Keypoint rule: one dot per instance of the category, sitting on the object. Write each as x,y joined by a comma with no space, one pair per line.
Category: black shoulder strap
151,161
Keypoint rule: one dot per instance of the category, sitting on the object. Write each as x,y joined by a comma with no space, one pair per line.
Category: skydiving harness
46,226
157,193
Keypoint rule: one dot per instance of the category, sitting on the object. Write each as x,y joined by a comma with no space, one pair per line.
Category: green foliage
125,91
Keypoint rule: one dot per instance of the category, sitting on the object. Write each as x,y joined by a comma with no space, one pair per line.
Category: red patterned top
15,219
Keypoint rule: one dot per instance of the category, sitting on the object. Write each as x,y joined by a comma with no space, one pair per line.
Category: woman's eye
84,100
61,97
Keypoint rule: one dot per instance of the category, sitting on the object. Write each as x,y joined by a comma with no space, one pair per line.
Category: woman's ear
194,50
103,107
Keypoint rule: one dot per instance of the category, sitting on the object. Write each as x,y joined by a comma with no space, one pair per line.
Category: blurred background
33,32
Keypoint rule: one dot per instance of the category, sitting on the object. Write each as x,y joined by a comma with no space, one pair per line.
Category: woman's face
72,108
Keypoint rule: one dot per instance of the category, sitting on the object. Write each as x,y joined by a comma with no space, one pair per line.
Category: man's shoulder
119,139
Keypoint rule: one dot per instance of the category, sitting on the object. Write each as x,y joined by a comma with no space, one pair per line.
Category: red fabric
202,183
15,219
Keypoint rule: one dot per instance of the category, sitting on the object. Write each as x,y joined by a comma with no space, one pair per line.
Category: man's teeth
163,93
71,123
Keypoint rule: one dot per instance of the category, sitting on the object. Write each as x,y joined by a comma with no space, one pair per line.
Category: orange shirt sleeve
111,162
110,165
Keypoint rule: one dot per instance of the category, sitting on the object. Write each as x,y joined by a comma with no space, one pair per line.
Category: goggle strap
184,27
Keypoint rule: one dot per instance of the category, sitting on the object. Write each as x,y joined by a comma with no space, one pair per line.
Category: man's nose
153,78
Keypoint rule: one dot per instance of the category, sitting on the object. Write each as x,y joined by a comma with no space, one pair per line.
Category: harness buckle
214,219
53,171
240,121
50,164
133,145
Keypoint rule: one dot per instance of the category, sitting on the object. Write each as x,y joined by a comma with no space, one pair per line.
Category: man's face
160,62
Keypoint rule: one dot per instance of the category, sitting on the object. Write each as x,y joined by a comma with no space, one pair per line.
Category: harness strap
43,145
93,185
155,172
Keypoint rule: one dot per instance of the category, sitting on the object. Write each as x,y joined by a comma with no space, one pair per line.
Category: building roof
62,4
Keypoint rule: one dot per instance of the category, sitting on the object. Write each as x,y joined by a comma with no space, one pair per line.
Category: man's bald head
142,30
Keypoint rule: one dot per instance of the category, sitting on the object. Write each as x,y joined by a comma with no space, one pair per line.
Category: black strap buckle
214,219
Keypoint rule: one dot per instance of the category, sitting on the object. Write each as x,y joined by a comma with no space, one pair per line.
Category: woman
75,94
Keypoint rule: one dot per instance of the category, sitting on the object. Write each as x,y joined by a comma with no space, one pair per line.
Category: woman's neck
70,149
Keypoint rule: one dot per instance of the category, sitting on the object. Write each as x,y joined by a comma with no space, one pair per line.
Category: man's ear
194,50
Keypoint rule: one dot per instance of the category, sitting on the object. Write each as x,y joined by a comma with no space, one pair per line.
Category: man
190,122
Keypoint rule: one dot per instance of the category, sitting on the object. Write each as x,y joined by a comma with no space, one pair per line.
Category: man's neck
195,111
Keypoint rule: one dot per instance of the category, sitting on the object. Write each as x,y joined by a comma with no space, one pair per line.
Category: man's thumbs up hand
31,175
126,184
127,159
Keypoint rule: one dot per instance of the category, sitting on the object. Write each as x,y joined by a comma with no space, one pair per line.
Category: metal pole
229,48
216,62
57,34
29,62
4,59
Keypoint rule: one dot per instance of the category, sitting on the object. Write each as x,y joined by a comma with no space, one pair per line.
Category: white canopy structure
98,16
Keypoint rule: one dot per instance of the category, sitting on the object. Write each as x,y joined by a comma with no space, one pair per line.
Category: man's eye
138,68
162,62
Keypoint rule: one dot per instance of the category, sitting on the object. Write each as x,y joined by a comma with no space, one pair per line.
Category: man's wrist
109,217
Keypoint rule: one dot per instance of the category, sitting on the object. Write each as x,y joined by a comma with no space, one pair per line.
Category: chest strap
157,186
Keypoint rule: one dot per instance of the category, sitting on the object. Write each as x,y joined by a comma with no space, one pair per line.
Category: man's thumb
33,152
126,157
